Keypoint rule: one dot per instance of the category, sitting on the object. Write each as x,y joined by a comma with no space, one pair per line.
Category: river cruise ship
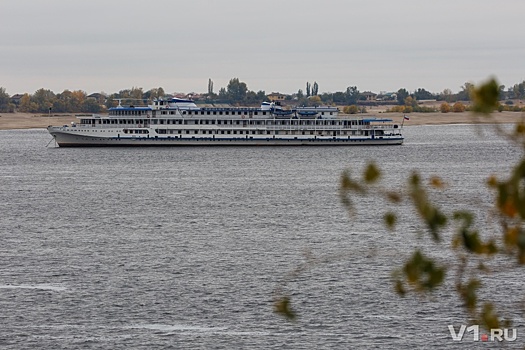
180,122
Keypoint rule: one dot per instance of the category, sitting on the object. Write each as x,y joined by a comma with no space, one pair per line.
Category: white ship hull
68,139
178,123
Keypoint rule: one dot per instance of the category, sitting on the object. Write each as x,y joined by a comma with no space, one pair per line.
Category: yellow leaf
492,181
436,182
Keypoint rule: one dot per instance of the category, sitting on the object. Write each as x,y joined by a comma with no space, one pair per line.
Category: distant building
16,99
96,96
276,97
386,96
369,96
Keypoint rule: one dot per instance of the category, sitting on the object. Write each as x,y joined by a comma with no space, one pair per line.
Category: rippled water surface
184,247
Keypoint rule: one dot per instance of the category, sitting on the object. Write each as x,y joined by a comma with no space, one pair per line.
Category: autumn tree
26,105
444,108
458,107
352,109
471,254
152,94
314,100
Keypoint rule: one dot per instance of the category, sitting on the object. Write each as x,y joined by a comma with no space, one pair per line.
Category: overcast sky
272,45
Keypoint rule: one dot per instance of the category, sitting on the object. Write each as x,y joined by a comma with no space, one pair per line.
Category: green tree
422,94
210,87
402,94
237,90
90,106
44,99
5,102
501,92
223,94
351,95
466,92
308,89
446,95
315,89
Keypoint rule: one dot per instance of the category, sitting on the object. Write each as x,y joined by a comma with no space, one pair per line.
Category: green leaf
423,273
486,97
390,220
282,307
372,173
469,294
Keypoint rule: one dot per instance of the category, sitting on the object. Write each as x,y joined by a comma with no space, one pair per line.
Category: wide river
185,248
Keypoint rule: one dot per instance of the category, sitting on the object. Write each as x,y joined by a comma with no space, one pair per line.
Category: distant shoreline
10,121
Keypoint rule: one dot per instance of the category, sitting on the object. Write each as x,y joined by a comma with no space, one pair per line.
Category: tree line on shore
237,93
